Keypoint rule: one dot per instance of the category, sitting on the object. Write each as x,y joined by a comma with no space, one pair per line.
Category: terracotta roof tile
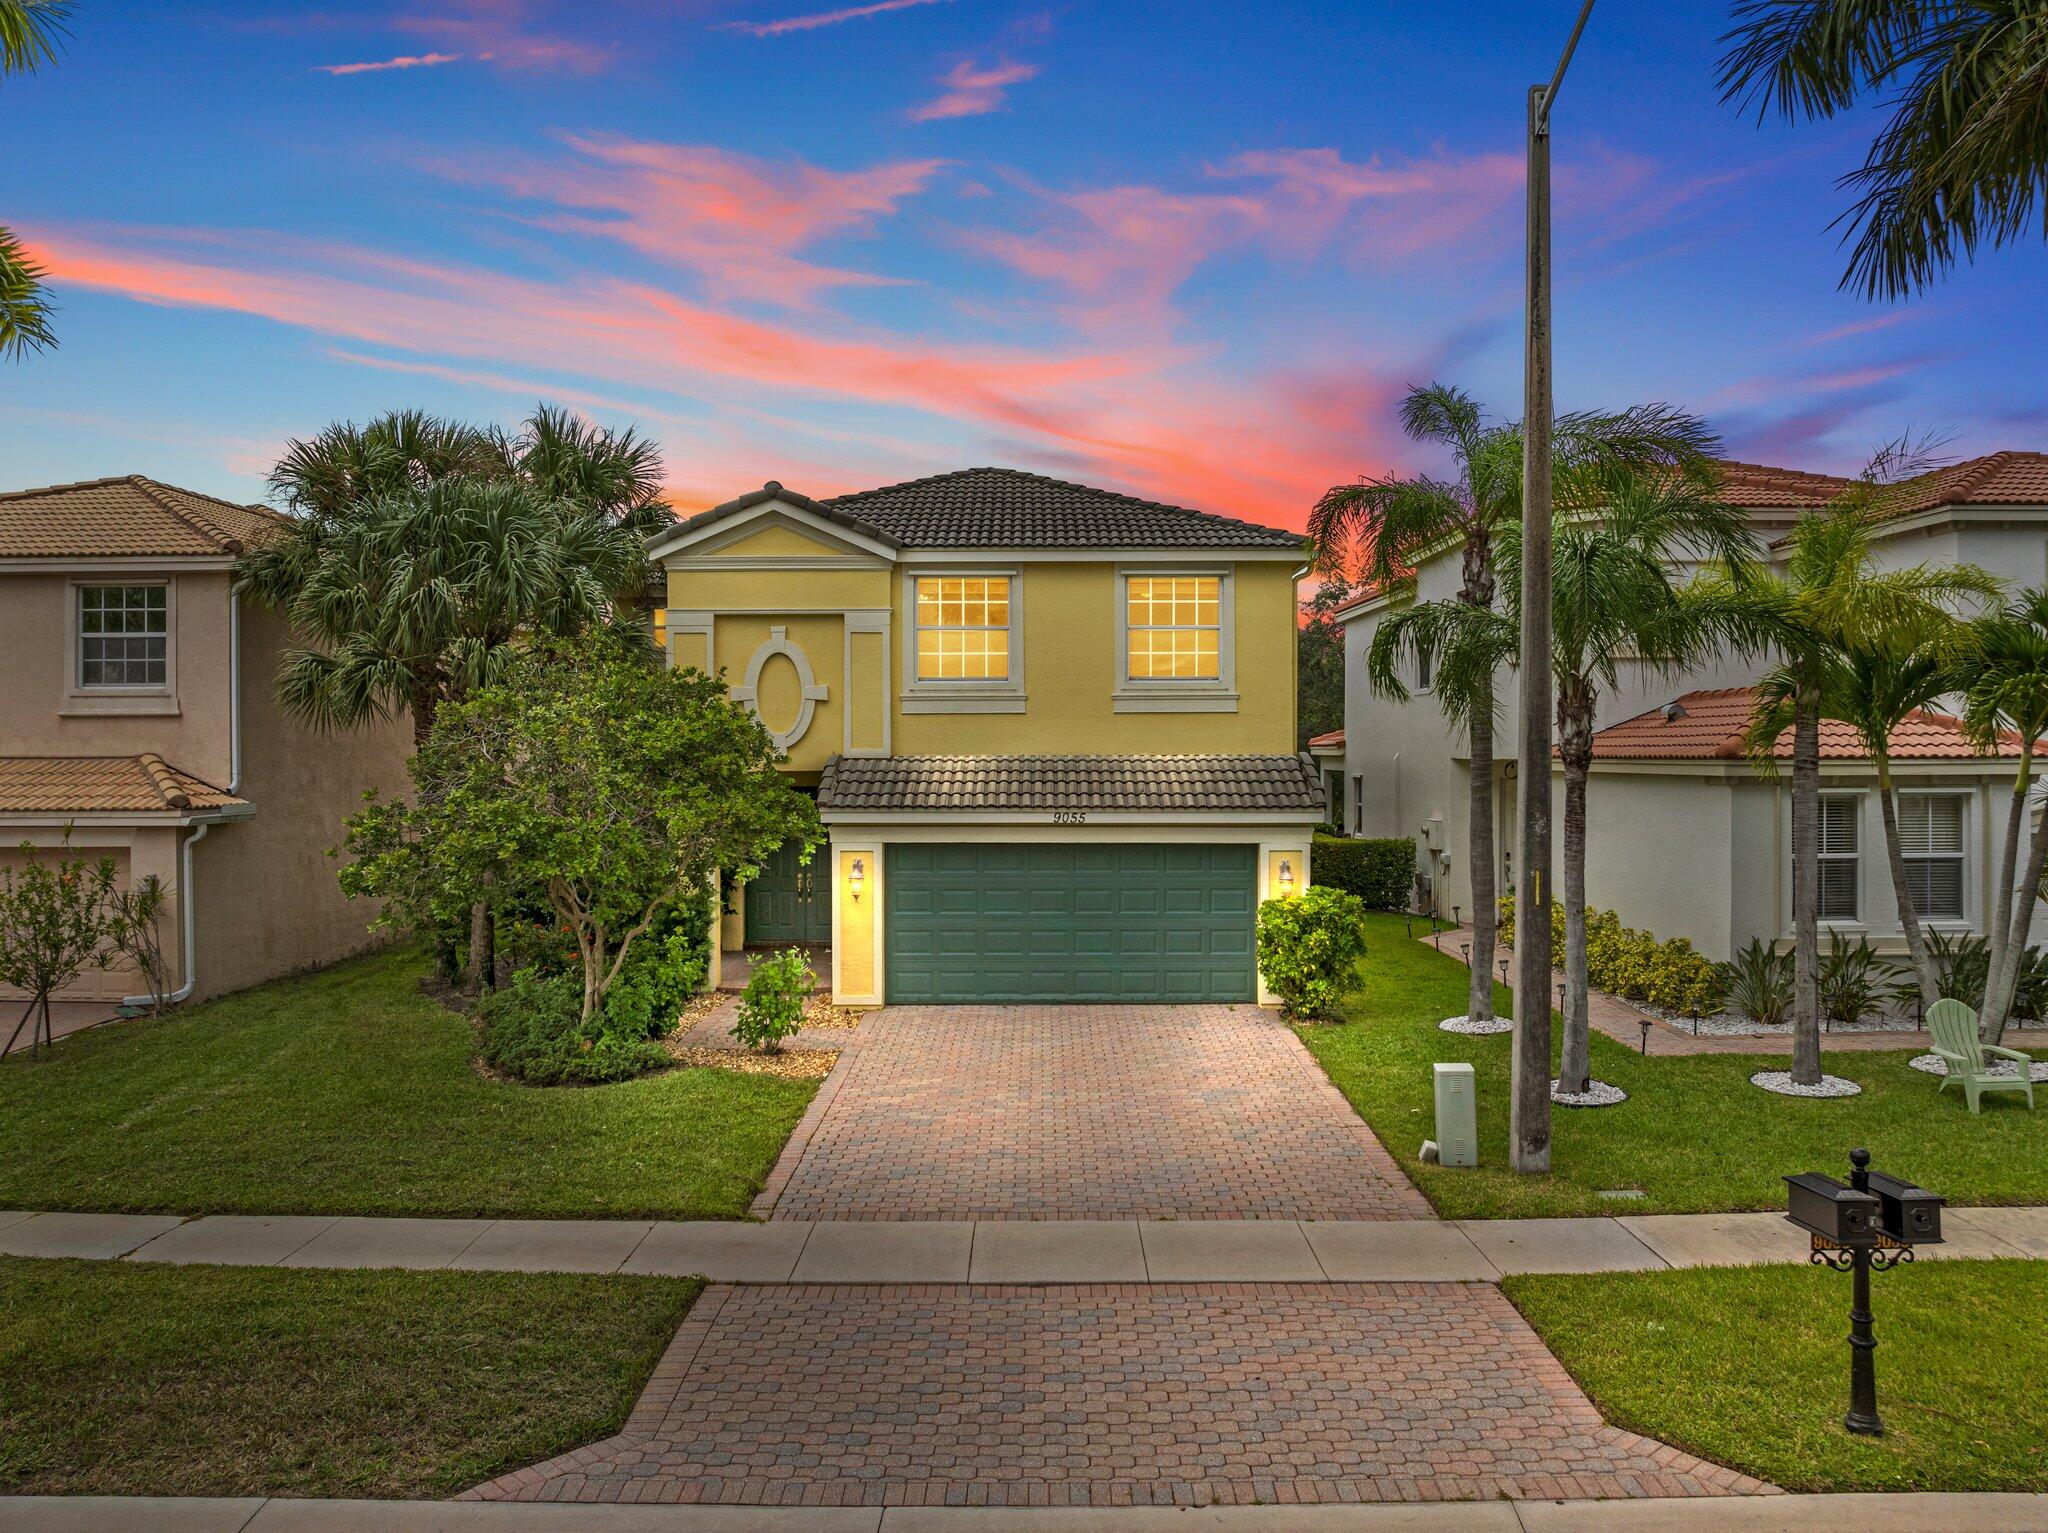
1761,487
1996,479
1708,726
1334,739
144,784
127,516
967,783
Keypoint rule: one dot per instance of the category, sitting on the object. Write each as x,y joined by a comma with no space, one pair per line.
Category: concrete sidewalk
1000,1251
1981,1513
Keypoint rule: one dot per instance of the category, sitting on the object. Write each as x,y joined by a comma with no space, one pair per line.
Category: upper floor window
1174,628
1839,816
123,636
963,628
1931,839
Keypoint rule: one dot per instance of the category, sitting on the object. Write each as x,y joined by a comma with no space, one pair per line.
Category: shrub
778,985
2030,993
1623,961
662,971
1684,980
1962,966
1854,980
1309,947
1380,872
535,1030
1759,983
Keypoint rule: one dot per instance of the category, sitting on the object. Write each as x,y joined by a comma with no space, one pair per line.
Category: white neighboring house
1684,837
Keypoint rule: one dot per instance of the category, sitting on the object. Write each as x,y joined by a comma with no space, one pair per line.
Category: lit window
1931,839
123,636
658,628
963,628
1173,628
1838,842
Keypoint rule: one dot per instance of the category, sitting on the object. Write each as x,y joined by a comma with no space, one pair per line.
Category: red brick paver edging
1111,1395
1083,1112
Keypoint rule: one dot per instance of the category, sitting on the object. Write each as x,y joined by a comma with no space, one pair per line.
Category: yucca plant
1758,982
1855,980
1961,962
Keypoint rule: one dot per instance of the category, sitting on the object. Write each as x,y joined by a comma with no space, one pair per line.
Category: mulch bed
790,1064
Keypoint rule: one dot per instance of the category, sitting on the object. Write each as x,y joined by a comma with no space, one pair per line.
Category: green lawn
348,1092
132,1379
1694,1134
1747,1366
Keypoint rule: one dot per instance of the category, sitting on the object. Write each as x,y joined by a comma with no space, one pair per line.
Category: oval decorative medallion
810,691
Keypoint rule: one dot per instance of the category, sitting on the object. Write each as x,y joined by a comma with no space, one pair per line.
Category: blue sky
1195,251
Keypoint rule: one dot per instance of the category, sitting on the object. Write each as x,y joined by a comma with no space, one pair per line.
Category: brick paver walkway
1084,1112
1111,1396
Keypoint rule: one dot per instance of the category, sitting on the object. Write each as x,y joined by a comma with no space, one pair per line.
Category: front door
789,902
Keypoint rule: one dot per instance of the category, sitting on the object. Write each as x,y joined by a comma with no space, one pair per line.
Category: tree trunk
1806,884
1485,909
424,707
1575,745
1997,918
2005,979
483,949
1909,918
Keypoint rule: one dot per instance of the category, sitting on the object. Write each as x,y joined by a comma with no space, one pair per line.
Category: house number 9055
1069,817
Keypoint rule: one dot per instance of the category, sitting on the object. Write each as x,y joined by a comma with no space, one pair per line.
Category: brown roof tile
1708,726
1159,783
126,517
145,784
1334,739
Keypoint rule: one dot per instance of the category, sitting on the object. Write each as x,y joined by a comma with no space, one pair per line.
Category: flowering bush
1309,947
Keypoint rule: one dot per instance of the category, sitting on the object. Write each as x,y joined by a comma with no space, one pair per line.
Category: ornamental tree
53,923
607,786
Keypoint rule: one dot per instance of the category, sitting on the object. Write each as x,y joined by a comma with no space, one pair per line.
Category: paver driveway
1084,1112
1111,1395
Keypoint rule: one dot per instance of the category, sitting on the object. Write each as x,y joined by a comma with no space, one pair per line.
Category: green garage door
1069,922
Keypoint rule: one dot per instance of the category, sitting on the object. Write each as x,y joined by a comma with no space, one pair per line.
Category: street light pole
1529,1111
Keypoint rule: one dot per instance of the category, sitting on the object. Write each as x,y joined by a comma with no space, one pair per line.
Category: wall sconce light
1286,876
857,877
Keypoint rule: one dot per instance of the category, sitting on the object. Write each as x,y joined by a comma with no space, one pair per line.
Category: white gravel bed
1934,1064
1480,1028
1782,1083
1597,1094
1731,1026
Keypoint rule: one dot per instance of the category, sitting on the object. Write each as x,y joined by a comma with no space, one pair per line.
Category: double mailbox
1890,1210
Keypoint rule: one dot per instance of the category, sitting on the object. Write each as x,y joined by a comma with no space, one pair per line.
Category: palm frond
25,307
29,30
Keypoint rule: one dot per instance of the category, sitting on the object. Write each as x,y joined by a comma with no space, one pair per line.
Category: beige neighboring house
136,706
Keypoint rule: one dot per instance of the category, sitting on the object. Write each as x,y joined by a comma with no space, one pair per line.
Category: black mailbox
1905,1212
1826,1207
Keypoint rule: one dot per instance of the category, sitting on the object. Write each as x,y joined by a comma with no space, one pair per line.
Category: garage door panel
1081,921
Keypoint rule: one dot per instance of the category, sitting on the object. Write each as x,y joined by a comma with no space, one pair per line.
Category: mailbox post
1874,1221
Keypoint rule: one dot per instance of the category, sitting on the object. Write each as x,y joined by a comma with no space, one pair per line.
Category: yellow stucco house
1050,729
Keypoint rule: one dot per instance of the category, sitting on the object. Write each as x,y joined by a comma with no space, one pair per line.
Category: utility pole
1529,1112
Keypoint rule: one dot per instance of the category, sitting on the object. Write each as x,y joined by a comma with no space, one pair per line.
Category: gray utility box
1457,1116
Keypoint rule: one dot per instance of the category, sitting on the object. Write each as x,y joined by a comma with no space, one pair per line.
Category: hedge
1381,872
1633,964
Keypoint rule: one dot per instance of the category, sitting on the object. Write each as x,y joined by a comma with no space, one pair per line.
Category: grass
132,1379
347,1091
1747,1366
1694,1135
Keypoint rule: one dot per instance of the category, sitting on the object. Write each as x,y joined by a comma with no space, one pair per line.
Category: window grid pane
1935,885
1174,627
963,628
122,636
1931,824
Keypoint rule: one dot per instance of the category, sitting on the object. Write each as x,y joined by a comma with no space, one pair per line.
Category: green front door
1069,922
788,902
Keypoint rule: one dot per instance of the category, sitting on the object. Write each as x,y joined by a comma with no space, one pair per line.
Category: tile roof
1996,479
103,784
1708,726
1008,508
979,783
126,516
1334,740
1760,487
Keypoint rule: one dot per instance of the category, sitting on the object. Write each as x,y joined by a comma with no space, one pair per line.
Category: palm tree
1397,522
2003,678
1829,600
1962,159
1616,599
29,30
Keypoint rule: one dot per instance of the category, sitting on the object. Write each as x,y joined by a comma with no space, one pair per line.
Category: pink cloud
736,221
504,33
1856,327
403,61
971,90
818,19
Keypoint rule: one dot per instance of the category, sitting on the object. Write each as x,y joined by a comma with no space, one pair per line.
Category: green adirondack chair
1954,1027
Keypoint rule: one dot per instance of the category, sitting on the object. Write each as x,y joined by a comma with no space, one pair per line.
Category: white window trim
1216,694
79,699
1965,921
926,695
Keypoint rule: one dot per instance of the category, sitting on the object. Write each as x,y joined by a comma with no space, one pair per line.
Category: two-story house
1685,837
1050,729
136,707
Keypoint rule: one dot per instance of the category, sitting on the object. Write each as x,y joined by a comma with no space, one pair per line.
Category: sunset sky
1187,248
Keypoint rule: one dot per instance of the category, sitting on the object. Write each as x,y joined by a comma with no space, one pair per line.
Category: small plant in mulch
779,988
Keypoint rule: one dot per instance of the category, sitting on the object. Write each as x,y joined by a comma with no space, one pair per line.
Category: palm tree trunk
2005,977
1806,884
1895,858
1997,918
1575,746
1485,912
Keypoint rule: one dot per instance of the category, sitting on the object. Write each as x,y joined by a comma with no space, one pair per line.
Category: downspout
188,946
234,691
